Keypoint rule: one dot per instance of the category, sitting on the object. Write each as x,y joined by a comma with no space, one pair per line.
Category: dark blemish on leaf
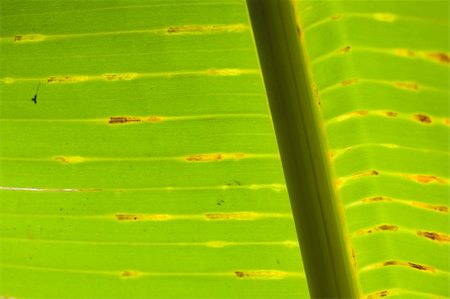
440,57
423,118
388,227
390,113
345,49
421,267
241,274
34,99
18,38
390,263
299,31
378,295
434,236
374,172
237,182
122,119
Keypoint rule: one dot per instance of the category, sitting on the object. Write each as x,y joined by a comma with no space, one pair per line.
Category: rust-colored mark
354,258
385,17
404,52
69,159
379,294
384,227
374,172
29,38
262,274
140,217
447,121
123,119
361,112
129,274
231,216
422,118
348,82
154,119
407,85
120,77
436,208
421,267
377,198
439,56
299,31
387,227
204,157
199,29
390,113
345,49
425,179
66,79
335,17
409,264
127,217
434,236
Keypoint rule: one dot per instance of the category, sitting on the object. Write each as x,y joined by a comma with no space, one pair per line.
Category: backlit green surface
67,174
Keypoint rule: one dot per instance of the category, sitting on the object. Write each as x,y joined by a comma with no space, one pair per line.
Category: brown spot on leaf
123,119
261,274
199,29
427,179
407,85
299,31
436,208
204,157
335,17
434,236
390,113
421,267
410,264
129,274
422,118
127,217
377,198
440,57
345,49
231,216
18,38
379,294
387,227
348,82
374,172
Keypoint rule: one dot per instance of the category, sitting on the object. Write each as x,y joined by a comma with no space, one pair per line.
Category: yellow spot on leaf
69,159
129,274
425,179
29,38
443,209
384,17
67,79
404,52
204,29
261,274
407,85
232,216
120,77
141,217
123,119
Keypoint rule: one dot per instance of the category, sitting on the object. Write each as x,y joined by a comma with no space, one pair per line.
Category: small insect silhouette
34,99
